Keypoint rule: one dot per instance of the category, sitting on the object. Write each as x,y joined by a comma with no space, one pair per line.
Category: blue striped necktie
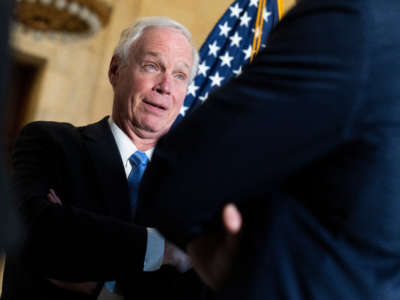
138,161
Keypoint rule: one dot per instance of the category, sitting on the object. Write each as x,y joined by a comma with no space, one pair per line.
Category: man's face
150,89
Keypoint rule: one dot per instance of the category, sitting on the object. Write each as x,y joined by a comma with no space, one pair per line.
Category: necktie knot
138,158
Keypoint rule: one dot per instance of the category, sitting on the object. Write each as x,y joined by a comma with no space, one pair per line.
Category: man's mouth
155,105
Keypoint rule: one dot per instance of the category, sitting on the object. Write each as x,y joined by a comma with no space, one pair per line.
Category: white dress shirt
155,242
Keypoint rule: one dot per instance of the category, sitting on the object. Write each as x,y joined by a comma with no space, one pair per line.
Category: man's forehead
153,43
160,33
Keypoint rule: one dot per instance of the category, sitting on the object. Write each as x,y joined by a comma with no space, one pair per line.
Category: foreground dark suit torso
307,142
91,237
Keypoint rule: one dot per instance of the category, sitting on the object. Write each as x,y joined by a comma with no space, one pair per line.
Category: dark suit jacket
307,143
91,237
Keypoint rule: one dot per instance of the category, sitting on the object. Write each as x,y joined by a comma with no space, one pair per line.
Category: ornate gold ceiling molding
78,18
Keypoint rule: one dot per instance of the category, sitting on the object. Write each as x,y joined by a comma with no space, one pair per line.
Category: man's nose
164,84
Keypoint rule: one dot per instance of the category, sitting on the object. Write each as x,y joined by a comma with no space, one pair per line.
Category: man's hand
81,287
212,254
176,257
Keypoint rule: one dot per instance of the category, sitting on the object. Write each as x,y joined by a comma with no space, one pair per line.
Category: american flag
229,47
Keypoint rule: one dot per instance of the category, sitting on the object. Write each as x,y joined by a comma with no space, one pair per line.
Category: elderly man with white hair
77,187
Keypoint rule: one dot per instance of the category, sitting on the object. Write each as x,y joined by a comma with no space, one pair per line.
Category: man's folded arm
66,242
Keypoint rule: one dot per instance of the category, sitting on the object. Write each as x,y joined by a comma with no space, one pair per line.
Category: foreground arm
290,108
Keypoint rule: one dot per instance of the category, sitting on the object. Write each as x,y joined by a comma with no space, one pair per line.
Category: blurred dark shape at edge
10,226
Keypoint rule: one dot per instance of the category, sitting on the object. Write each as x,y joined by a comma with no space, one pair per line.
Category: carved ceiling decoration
74,18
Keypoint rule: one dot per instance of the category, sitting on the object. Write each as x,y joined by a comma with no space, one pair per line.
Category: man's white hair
133,32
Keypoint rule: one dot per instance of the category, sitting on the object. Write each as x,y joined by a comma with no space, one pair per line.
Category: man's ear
114,69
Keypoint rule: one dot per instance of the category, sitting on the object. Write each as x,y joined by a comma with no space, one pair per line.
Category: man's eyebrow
157,55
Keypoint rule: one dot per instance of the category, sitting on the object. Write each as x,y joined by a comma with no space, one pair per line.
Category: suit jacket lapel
108,168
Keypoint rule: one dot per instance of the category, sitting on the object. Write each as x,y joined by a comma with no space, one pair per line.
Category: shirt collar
125,146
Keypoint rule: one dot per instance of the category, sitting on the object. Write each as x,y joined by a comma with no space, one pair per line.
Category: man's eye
180,76
150,67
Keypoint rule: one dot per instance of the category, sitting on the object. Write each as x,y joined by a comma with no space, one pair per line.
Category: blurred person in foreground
77,186
10,227
306,144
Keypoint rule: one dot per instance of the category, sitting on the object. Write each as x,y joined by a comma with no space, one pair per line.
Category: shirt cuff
154,250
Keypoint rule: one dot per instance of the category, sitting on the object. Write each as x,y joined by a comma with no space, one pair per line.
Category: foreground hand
53,198
176,257
212,254
81,287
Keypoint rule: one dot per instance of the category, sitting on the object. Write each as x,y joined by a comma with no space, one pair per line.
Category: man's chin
155,128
